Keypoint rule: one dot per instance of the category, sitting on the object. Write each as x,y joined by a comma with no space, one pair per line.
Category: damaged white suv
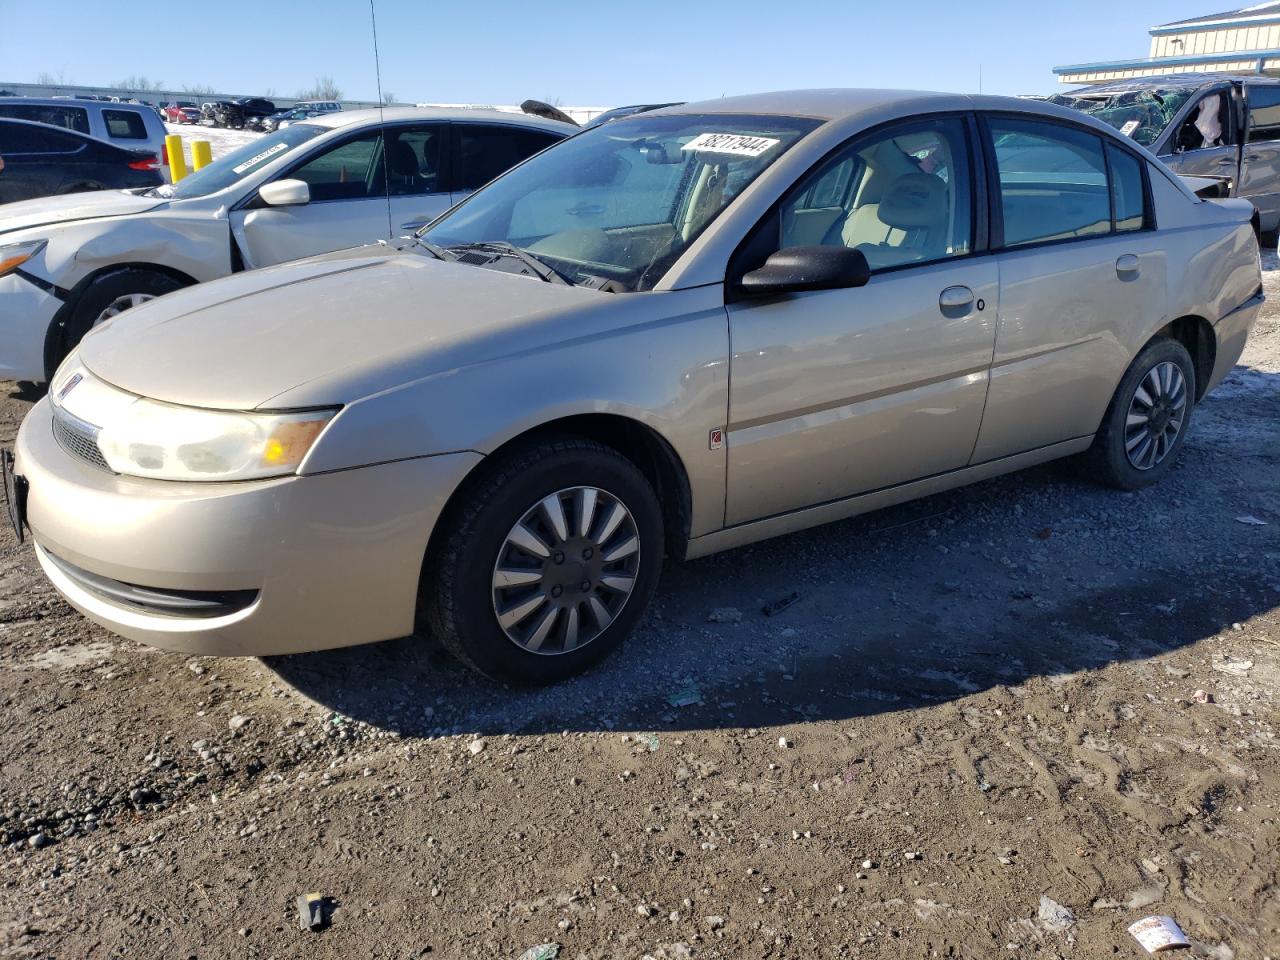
335,181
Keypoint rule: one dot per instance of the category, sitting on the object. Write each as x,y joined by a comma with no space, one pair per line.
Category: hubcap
121,304
566,570
1156,414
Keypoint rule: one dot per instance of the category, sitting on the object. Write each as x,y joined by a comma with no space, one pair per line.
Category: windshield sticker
254,161
737,144
1129,127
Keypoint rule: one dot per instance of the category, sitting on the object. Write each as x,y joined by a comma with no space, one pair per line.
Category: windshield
622,201
237,164
1139,114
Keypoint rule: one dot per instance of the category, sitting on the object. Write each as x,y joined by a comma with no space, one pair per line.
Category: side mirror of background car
797,269
285,193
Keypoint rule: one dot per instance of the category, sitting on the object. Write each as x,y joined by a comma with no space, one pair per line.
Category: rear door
1260,163
36,161
1081,266
483,151
348,206
417,174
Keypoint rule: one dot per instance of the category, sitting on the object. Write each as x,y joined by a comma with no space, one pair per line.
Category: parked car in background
40,161
282,118
337,180
242,112
1202,125
129,126
181,111
319,106
673,334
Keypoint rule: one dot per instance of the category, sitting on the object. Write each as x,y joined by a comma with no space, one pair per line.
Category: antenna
382,124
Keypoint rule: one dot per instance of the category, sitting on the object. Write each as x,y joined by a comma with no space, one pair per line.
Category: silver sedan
670,335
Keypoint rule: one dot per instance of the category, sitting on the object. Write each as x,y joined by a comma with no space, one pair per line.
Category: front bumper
315,562
26,310
1232,332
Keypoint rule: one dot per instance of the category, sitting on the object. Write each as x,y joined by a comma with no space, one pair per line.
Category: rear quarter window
124,125
71,118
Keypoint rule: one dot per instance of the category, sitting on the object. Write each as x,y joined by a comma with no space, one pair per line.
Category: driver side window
1208,124
347,172
902,197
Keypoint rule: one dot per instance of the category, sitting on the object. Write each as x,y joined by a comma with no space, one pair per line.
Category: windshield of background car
1141,115
623,201
238,164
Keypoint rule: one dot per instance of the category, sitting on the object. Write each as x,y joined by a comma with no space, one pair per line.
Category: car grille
78,438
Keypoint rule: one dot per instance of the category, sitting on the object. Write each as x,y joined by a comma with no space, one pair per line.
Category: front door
1081,272
840,392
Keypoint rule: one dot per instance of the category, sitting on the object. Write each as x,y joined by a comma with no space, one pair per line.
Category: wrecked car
1218,126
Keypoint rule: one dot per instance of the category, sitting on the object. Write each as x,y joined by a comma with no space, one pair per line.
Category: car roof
72,102
391,114
848,104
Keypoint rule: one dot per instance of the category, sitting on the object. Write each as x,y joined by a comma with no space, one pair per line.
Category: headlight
14,255
151,439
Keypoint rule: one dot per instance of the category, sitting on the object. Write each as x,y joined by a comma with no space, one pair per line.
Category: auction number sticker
254,161
1129,127
738,144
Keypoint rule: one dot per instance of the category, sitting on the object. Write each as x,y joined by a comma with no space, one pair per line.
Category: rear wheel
547,564
1148,418
108,296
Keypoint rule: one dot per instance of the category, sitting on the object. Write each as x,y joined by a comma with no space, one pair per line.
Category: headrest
401,159
913,201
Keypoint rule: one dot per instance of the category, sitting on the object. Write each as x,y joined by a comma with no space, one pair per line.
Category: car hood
326,331
73,206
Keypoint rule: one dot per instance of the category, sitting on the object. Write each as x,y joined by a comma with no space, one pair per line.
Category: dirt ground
979,700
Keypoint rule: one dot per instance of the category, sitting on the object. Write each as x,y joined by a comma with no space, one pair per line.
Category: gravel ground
1004,721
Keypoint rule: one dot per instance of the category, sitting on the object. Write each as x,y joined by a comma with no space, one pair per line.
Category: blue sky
600,53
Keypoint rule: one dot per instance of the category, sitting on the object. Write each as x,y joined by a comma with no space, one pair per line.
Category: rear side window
124,125
1264,113
481,152
72,118
1053,182
1128,190
16,138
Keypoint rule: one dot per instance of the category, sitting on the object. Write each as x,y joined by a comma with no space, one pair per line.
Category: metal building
1244,41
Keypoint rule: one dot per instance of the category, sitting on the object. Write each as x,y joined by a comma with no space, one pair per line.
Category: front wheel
107,296
1148,419
547,564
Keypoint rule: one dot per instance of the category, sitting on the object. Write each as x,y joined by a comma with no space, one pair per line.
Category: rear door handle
1250,157
1228,161
954,299
1128,267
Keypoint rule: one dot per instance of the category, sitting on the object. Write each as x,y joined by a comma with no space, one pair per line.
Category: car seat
402,168
912,223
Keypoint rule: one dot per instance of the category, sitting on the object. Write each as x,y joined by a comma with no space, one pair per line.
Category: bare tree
324,89
388,97
199,89
141,84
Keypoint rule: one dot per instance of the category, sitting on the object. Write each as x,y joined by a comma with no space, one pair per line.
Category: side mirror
797,269
285,193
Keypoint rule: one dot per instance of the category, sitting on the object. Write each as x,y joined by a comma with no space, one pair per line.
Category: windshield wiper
437,251
501,247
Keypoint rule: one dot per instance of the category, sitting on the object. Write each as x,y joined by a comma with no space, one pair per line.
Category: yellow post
201,154
177,160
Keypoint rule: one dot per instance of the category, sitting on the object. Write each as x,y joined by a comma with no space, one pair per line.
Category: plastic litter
311,912
1157,934
686,696
651,741
1250,520
1054,915
543,951
775,608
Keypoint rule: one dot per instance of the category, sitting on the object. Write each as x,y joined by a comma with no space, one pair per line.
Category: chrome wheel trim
566,570
1157,411
121,304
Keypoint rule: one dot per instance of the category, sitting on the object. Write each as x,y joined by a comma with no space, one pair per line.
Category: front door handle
416,224
1128,267
955,299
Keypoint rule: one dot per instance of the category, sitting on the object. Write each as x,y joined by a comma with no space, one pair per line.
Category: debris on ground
651,741
1201,696
1250,520
1233,667
1055,917
311,912
775,608
1157,934
543,951
686,696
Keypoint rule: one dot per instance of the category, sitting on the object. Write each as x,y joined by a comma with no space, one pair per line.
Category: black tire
1107,460
100,294
456,592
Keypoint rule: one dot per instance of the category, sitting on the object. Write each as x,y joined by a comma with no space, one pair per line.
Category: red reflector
146,163
164,154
